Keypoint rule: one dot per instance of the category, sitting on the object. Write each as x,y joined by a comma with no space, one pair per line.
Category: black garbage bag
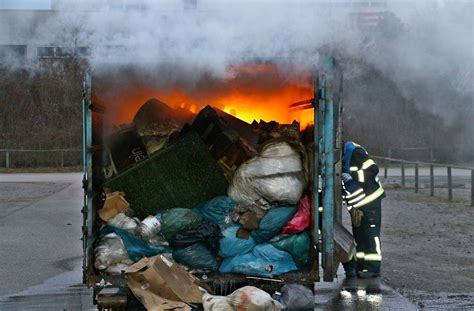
196,256
207,232
297,297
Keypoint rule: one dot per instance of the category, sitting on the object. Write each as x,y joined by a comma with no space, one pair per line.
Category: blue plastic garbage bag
216,210
271,224
297,245
196,256
265,260
136,247
231,245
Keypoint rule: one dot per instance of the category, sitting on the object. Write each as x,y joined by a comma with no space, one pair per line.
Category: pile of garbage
215,194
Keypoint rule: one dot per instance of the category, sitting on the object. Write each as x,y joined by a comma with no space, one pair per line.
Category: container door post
328,171
87,150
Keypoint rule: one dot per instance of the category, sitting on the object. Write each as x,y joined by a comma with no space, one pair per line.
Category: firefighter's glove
346,177
356,217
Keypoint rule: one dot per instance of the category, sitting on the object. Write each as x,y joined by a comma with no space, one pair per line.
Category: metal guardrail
418,164
61,152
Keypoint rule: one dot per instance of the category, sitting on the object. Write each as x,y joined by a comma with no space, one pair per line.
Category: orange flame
250,92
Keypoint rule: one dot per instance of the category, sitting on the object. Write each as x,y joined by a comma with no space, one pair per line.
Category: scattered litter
196,256
297,297
247,298
231,245
216,303
250,298
114,203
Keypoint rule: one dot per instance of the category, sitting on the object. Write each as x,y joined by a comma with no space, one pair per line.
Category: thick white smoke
425,47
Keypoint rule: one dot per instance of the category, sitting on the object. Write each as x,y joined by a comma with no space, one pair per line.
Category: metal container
150,226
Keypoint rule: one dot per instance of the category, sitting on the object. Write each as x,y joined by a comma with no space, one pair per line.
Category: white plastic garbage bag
277,175
253,299
215,303
124,222
247,298
110,250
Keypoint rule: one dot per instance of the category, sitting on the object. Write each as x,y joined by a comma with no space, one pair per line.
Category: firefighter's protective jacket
364,187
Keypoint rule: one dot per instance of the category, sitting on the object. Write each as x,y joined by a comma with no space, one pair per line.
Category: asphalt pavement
41,250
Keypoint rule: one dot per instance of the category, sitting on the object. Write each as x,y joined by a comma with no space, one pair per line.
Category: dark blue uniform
363,191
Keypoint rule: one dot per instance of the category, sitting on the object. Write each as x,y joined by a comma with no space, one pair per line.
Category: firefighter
363,194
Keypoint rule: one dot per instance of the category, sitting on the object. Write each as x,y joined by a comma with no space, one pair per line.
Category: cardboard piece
114,203
344,243
162,284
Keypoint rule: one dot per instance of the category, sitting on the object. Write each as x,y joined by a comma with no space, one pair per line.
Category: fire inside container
218,164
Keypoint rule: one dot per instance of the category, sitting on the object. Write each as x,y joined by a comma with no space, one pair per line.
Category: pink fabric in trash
301,219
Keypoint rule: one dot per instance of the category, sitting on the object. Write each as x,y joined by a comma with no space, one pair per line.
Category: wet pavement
359,294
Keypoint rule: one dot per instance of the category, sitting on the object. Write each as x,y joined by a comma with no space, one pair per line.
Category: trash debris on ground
302,218
265,260
135,247
231,245
207,232
183,174
162,284
109,250
295,244
178,219
277,175
247,298
124,222
196,256
114,203
272,222
297,297
216,303
149,226
217,210
253,299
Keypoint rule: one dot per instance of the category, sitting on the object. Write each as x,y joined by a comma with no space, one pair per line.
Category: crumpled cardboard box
114,203
161,284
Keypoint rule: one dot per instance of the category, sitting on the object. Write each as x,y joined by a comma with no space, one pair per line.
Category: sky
25,4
